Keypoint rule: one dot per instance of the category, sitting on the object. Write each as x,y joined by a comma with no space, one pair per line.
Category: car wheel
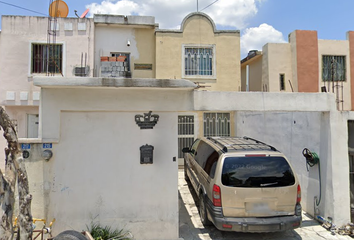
70,235
203,212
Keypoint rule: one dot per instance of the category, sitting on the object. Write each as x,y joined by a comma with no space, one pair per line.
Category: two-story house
304,64
118,46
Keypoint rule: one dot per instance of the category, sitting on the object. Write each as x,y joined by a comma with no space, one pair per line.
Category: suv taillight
216,196
298,195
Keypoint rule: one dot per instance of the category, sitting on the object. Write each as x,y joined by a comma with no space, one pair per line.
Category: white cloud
169,14
254,38
233,13
124,7
227,14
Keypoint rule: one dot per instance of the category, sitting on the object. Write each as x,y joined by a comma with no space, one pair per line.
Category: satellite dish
85,13
58,8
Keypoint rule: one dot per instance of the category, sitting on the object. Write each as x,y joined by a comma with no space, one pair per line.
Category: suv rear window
256,172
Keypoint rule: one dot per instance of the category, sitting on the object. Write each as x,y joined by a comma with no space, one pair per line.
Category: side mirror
186,150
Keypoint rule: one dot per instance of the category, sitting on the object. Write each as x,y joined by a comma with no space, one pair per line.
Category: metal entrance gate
185,134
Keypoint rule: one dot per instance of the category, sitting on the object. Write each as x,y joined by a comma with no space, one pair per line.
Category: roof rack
257,141
227,144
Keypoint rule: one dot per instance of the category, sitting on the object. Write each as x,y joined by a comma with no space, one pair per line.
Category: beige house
200,53
304,64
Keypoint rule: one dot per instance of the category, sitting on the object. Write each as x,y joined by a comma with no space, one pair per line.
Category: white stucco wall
105,100
95,174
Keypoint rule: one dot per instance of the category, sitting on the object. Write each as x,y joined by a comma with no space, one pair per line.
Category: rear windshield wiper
268,184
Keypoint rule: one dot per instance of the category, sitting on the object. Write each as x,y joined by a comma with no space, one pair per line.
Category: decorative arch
197,14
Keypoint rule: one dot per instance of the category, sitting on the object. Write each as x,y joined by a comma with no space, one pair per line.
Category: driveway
190,227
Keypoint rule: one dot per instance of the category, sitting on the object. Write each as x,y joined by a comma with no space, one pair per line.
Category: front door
32,125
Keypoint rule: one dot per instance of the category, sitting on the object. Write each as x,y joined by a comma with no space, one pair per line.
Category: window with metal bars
216,124
333,68
47,58
199,61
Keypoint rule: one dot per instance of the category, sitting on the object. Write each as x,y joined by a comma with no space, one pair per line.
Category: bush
99,232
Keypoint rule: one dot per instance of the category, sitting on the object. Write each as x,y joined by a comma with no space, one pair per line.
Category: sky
259,21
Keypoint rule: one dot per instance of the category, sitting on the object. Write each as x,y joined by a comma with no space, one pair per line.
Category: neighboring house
305,64
24,50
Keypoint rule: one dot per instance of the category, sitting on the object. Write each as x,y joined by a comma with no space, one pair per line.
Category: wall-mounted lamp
128,42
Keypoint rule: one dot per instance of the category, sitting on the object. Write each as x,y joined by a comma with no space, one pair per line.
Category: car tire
70,235
185,172
203,212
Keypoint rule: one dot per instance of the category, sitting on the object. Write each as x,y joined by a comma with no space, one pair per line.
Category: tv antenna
207,6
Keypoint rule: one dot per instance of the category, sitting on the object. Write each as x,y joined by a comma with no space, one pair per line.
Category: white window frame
205,78
30,74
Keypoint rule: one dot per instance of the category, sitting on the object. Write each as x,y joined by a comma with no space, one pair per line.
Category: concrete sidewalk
190,227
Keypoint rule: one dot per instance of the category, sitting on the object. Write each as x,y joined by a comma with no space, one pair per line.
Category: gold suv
243,185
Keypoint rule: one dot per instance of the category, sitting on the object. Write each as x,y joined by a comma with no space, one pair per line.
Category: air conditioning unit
81,71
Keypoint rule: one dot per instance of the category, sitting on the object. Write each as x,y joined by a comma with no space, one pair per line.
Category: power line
23,8
209,5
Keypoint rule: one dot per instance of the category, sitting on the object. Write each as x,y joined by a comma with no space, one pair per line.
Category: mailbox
146,154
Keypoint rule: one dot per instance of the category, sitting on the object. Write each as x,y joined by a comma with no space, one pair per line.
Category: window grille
333,68
185,133
198,61
216,124
40,55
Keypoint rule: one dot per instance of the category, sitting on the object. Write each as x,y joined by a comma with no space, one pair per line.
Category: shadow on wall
290,133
